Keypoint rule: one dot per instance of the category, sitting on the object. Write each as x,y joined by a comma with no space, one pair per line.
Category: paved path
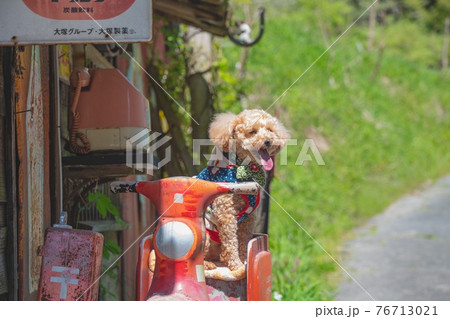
403,253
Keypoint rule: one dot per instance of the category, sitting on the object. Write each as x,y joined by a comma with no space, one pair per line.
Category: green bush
410,41
386,122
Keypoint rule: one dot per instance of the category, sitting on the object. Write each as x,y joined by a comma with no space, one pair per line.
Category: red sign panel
74,21
79,9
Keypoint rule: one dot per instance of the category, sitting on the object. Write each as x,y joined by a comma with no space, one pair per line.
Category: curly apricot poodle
244,147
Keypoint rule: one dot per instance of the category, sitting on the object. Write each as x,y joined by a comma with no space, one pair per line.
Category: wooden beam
21,84
101,226
97,58
95,171
11,178
209,16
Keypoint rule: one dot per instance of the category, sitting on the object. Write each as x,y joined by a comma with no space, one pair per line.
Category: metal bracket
239,30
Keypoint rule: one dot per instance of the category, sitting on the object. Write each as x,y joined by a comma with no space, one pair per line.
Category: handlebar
175,196
123,187
246,188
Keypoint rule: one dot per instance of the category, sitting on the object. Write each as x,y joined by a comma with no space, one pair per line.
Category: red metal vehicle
178,244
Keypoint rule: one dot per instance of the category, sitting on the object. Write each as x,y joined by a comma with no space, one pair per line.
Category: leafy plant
110,252
228,88
111,249
104,206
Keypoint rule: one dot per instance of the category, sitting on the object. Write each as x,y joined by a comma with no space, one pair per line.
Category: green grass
388,133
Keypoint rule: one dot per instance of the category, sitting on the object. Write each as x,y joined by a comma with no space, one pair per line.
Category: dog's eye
253,132
270,130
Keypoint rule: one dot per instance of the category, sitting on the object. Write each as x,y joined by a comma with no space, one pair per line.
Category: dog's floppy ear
282,133
221,130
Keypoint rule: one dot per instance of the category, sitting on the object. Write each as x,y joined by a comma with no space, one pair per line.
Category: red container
71,265
112,111
111,101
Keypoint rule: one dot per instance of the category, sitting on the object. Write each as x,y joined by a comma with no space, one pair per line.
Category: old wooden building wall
8,210
3,198
31,91
29,186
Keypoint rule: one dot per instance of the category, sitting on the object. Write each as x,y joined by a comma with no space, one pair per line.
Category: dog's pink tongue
266,160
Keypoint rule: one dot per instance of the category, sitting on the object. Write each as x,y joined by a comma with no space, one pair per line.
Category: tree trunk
243,61
178,144
376,68
372,25
445,44
201,105
199,81
173,169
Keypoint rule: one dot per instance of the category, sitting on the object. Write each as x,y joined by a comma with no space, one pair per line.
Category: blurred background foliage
377,104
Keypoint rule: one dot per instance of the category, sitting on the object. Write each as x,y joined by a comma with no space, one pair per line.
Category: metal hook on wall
240,33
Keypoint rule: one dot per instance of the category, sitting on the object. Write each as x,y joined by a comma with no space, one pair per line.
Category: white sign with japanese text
74,21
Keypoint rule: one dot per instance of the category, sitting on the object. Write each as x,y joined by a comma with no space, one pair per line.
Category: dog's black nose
268,143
